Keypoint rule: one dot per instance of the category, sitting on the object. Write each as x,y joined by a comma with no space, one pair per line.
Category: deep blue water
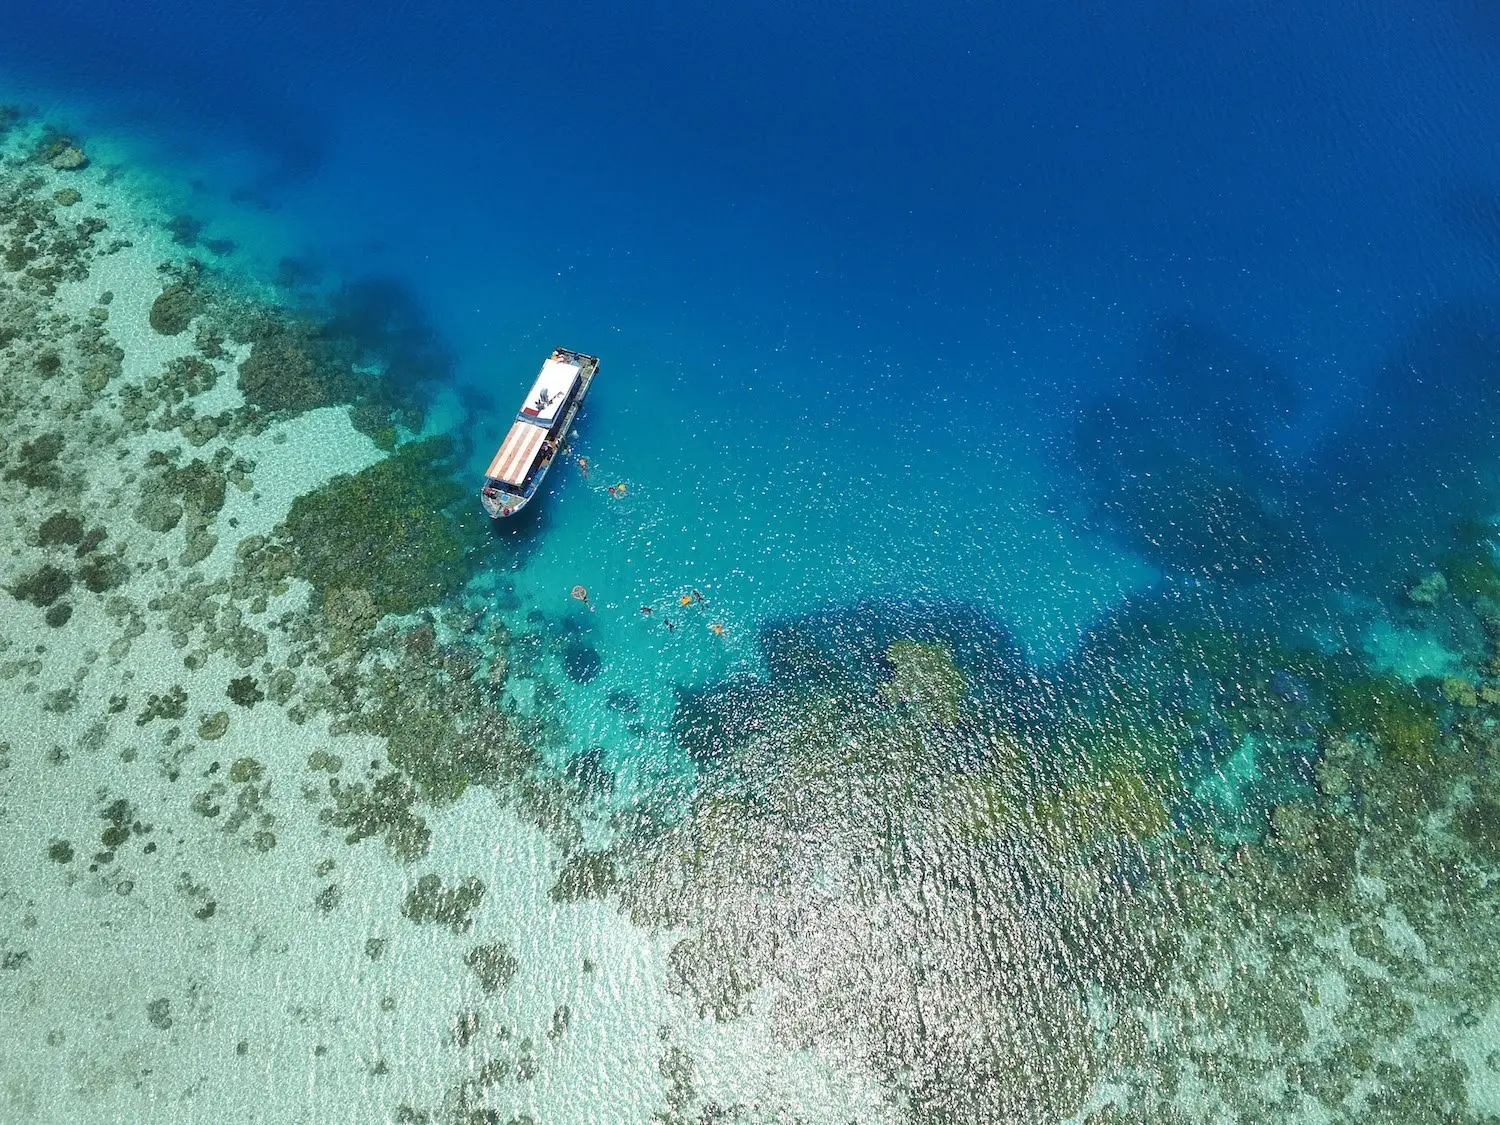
1040,306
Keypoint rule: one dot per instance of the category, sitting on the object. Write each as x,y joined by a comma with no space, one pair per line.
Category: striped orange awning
517,452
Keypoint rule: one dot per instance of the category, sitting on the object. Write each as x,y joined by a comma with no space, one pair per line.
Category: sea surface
1015,635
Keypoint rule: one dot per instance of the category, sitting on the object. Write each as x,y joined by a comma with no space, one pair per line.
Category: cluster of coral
124,419
1099,915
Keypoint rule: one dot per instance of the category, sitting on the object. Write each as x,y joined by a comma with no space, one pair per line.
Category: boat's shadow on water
515,540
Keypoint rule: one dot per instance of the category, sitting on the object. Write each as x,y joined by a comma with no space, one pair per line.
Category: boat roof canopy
550,391
517,453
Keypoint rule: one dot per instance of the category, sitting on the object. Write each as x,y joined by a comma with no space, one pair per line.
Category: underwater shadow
1419,458
1179,458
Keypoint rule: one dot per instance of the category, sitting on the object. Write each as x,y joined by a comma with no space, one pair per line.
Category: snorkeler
718,629
583,465
667,621
647,610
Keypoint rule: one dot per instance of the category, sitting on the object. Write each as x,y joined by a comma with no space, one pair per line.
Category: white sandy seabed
194,978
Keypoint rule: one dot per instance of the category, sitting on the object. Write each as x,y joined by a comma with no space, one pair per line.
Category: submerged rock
213,727
158,510
159,1013
68,158
1429,590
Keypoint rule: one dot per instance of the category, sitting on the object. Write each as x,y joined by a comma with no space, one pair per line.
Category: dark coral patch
174,309
43,586
395,529
38,462
60,528
245,691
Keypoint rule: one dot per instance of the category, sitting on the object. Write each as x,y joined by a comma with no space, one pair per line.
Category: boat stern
499,501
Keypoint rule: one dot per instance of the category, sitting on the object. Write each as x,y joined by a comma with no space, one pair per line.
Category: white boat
538,432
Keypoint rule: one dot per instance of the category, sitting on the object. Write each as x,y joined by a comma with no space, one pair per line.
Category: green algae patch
493,964
213,727
431,902
1111,802
391,530
1118,802
584,875
1403,722
926,678
246,770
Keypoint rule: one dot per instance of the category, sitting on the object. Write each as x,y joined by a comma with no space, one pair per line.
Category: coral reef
37,465
584,875
174,309
400,530
1086,881
43,586
805,846
493,964
925,677
245,691
430,901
